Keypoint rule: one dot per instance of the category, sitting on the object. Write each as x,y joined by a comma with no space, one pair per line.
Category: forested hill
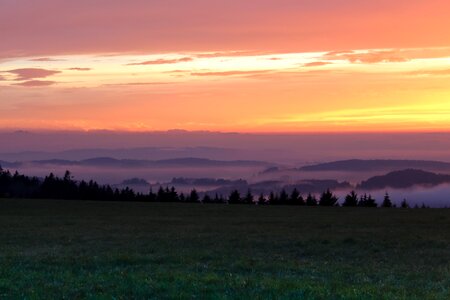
358,165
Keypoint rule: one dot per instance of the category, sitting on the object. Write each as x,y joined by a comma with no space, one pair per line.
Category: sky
221,65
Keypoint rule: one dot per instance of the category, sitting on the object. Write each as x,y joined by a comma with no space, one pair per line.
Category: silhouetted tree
219,199
311,200
53,187
367,201
182,197
172,195
328,199
386,201
404,204
273,199
161,195
194,197
234,198
284,197
151,196
261,200
248,199
295,198
351,199
207,199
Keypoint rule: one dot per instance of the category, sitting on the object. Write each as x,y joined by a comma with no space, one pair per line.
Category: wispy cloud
31,73
79,69
137,84
35,83
230,73
162,61
370,57
46,59
228,54
317,64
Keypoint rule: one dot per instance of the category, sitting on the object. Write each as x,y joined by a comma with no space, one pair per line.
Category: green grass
69,250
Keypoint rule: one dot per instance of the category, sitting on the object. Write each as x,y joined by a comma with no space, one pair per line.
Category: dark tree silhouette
261,200
219,199
194,197
284,198
295,198
404,204
367,201
311,200
207,199
328,199
235,197
53,187
273,199
182,197
249,199
387,201
351,200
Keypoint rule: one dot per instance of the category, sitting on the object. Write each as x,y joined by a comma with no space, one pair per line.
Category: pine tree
234,198
404,204
387,201
261,199
194,197
351,199
311,200
284,197
249,198
328,199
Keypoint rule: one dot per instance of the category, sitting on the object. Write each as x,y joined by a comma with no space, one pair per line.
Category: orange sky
258,66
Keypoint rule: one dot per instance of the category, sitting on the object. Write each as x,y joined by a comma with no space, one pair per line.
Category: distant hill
206,181
357,165
142,153
135,181
6,164
134,163
404,179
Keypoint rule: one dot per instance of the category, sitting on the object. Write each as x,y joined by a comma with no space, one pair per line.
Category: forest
15,185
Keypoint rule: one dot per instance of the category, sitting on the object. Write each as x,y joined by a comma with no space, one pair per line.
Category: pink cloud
371,57
35,83
162,61
228,54
138,83
230,73
80,69
316,64
32,73
46,59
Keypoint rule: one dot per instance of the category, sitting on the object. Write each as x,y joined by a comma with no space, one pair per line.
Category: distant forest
66,188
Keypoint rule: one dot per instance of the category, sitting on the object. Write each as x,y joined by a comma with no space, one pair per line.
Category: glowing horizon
382,81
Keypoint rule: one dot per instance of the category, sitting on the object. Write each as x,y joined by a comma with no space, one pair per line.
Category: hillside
358,165
404,179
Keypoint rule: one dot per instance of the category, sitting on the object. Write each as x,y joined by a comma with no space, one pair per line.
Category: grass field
67,249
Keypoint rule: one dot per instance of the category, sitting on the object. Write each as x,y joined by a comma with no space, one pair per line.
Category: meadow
58,249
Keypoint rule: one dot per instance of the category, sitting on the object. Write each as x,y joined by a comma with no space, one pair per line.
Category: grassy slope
56,249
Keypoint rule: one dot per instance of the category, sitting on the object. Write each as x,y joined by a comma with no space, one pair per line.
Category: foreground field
68,249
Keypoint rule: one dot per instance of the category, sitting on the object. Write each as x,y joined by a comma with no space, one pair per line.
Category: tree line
53,187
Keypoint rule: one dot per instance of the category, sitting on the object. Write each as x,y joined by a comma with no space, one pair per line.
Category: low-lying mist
253,178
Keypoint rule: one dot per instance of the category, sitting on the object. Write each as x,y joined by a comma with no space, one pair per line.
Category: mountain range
134,163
